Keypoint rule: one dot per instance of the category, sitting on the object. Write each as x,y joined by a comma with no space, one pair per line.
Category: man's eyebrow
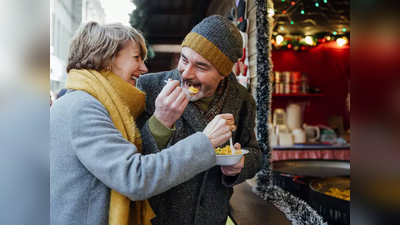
203,64
183,56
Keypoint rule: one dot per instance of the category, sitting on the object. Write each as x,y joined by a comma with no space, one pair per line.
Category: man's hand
233,169
170,103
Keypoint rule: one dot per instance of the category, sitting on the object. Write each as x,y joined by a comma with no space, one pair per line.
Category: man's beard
192,97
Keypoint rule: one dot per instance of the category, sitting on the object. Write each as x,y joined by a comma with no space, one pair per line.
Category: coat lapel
233,101
193,117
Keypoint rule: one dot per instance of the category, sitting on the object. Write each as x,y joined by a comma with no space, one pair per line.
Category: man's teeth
133,78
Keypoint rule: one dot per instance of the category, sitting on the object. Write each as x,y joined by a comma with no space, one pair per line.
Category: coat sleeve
116,162
252,160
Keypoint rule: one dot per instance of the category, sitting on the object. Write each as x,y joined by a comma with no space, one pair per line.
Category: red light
303,48
289,46
323,40
293,3
284,11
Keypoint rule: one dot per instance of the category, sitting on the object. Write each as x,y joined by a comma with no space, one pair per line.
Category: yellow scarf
124,103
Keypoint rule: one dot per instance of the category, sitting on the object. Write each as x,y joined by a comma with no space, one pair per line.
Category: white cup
299,135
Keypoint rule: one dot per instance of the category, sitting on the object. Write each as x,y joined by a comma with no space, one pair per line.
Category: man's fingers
237,146
181,97
169,87
175,94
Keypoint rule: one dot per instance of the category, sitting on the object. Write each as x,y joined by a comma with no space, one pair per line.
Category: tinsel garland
296,210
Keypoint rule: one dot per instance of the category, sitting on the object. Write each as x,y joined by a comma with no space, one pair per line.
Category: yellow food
193,89
336,192
226,151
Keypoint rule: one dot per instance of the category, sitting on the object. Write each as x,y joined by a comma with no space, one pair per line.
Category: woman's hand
170,103
219,129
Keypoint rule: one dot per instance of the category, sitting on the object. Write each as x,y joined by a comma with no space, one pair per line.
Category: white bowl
228,160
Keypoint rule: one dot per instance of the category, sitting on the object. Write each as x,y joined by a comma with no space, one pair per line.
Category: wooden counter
249,209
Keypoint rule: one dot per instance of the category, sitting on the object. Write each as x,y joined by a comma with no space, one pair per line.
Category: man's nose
188,72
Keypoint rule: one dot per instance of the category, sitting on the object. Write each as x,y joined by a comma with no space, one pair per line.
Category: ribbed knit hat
217,40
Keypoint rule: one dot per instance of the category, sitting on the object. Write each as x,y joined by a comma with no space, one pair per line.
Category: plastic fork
232,148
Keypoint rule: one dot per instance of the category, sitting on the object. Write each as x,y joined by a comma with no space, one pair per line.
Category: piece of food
193,89
226,151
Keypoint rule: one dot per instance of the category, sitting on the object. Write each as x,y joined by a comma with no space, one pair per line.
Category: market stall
298,70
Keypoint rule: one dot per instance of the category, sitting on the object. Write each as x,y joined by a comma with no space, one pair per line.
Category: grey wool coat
204,199
89,157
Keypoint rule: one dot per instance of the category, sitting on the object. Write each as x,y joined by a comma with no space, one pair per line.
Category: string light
316,4
271,12
341,41
292,22
293,3
279,39
334,32
344,29
325,1
282,28
289,46
302,12
309,40
284,11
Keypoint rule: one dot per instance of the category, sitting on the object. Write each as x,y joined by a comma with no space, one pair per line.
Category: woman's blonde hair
94,46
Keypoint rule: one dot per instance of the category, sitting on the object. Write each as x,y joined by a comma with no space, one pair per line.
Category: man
208,54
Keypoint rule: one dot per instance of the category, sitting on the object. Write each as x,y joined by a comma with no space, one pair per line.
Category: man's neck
205,102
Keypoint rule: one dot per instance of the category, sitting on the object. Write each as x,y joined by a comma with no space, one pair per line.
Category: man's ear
222,77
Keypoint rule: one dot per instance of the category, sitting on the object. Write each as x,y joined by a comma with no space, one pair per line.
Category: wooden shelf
298,95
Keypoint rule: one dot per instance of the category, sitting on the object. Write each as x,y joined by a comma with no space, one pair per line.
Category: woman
97,172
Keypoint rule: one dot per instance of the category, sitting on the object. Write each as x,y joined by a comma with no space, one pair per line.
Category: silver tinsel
296,210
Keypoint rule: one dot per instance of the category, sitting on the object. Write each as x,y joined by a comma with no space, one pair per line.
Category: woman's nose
143,68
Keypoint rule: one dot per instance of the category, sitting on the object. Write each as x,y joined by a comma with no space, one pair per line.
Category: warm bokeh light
341,41
271,12
309,40
279,39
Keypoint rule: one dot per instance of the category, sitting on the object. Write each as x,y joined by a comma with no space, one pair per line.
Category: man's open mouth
188,84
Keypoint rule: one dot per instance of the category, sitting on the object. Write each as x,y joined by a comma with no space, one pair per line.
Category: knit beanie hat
217,40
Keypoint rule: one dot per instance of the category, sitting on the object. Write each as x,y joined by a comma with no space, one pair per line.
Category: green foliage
139,18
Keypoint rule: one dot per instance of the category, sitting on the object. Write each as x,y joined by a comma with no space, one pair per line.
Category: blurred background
164,25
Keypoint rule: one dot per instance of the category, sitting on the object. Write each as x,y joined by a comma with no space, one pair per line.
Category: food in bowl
336,192
226,150
339,193
227,160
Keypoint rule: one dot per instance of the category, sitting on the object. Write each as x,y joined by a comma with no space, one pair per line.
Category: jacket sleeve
252,160
117,163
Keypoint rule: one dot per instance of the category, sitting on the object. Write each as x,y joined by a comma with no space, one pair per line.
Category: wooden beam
167,48
158,40
172,12
220,7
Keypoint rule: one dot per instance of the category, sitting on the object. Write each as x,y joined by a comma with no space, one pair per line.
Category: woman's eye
201,68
